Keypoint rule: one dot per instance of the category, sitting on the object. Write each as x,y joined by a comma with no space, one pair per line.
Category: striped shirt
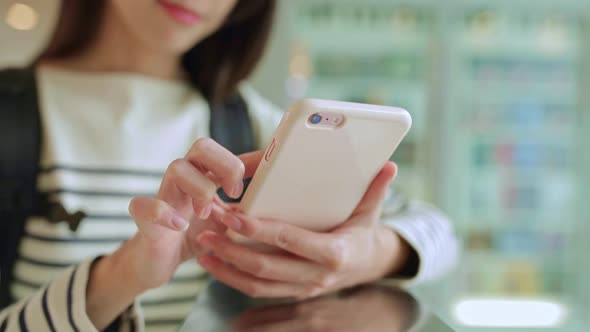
108,138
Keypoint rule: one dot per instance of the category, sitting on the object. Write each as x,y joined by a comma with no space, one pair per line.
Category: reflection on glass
367,309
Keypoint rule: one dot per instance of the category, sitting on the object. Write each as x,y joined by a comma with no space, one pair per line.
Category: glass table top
371,308
442,306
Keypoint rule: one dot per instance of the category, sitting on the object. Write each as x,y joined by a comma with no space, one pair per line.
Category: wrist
135,267
112,287
395,252
127,265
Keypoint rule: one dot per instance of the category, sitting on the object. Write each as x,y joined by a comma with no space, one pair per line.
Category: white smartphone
323,158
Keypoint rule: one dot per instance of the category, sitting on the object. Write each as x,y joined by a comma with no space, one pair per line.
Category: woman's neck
115,48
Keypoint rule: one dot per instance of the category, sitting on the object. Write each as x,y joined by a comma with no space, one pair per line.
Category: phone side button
270,150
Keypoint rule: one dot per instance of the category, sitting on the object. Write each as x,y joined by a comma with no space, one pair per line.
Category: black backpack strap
231,127
20,141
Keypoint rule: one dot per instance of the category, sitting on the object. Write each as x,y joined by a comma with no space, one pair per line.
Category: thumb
371,202
155,218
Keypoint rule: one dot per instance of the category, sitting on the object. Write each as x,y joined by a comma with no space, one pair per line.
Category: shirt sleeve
428,232
61,306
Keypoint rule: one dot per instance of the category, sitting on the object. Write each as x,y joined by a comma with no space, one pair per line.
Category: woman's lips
180,14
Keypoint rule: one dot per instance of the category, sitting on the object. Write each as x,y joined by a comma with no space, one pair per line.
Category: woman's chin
174,41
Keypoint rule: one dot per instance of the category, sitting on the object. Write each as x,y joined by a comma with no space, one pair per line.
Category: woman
123,92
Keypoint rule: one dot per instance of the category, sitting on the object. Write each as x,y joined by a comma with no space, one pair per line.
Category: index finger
322,248
251,161
228,170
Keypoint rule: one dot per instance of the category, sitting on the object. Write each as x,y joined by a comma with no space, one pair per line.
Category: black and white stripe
157,174
71,302
48,249
46,313
52,308
22,323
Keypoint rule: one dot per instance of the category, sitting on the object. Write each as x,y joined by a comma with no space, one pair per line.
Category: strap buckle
55,212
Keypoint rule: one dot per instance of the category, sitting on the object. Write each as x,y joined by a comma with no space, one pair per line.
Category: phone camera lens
315,119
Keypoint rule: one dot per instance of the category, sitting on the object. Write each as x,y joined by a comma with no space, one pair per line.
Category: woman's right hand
169,225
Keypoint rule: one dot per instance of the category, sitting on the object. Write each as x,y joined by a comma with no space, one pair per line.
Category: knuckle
203,145
336,255
209,191
259,268
283,238
175,169
253,290
311,292
176,164
250,228
325,280
160,211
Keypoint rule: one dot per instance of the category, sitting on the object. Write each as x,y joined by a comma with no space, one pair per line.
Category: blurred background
500,96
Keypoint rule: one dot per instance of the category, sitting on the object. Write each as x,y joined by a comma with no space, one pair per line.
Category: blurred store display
512,122
496,90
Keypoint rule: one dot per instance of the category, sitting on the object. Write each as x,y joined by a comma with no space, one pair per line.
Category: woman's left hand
360,250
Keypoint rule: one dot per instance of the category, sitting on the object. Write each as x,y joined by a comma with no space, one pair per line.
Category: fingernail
236,191
180,223
232,222
206,212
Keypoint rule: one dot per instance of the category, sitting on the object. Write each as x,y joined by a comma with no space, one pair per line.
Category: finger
216,213
251,161
375,194
248,284
184,185
209,156
199,227
265,265
318,247
155,217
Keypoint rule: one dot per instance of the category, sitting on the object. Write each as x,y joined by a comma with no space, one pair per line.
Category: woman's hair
216,65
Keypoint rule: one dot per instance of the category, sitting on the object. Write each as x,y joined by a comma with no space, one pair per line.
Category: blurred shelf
394,85
492,223
321,42
498,95
513,93
477,257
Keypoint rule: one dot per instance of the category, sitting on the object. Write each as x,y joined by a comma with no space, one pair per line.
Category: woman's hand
168,224
187,200
360,250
